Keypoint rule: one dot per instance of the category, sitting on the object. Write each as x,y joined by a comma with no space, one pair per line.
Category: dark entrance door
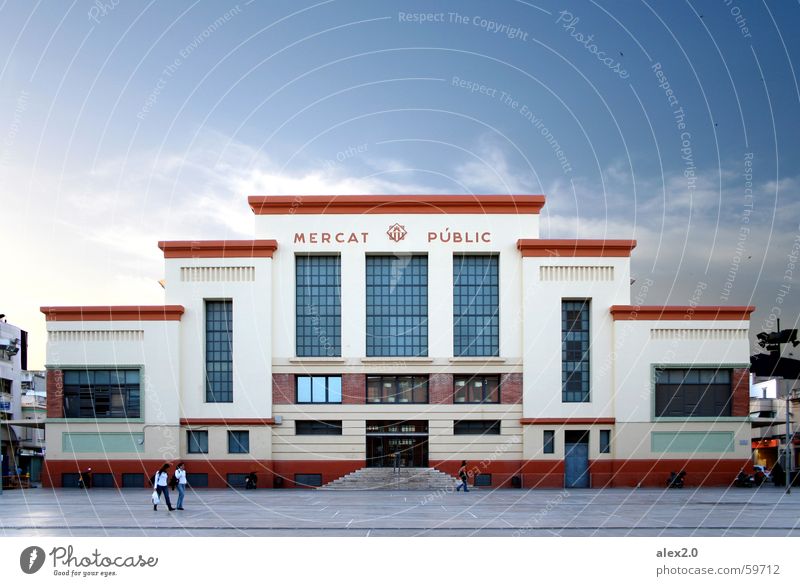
576,459
408,439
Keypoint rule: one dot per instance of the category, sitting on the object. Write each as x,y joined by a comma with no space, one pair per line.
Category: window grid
575,351
219,351
397,389
238,442
197,441
693,392
476,305
318,428
476,427
102,394
397,305
318,389
476,389
318,306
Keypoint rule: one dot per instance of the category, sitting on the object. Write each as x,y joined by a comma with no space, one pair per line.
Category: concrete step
389,479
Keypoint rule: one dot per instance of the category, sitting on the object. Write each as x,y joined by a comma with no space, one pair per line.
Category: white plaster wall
157,355
11,370
636,352
505,230
541,304
252,346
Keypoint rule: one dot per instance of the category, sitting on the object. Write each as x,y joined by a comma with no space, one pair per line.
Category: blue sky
122,123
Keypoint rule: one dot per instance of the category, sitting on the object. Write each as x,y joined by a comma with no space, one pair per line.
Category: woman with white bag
160,486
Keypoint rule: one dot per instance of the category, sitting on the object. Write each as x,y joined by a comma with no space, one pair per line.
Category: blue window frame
319,389
575,342
219,351
238,442
102,394
476,305
318,306
397,305
197,441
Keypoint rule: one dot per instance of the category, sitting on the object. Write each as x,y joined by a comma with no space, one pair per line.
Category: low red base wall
533,473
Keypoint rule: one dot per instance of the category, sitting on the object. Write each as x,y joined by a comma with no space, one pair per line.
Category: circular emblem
31,559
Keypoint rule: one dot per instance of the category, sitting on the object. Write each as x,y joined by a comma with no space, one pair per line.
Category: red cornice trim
568,420
218,248
395,204
575,248
681,312
114,313
227,422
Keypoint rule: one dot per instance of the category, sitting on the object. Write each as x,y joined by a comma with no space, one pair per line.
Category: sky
675,123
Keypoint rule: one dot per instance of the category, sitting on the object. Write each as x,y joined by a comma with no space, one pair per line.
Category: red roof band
114,313
395,204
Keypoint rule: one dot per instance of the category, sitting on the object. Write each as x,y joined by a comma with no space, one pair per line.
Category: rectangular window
693,392
397,305
319,389
197,479
483,480
605,441
318,427
102,394
476,305
549,441
476,389
132,480
397,389
476,427
235,479
306,480
103,480
219,351
197,441
575,351
318,305
238,442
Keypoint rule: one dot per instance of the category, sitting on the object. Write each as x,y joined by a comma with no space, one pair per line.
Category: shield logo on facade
396,232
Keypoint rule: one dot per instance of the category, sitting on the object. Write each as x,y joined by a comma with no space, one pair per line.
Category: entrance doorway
407,439
576,459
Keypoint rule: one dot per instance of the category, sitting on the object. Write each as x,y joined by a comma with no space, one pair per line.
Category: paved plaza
612,512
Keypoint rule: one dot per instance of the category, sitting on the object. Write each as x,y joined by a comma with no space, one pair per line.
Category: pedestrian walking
396,462
160,484
462,474
180,479
85,479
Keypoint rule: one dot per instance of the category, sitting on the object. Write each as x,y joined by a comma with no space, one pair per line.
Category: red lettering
486,237
353,238
340,237
299,237
326,237
431,236
312,238
364,237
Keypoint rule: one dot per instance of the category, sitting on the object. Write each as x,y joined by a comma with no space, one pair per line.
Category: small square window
238,442
198,442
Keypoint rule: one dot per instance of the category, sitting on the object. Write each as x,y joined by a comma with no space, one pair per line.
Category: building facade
13,362
436,328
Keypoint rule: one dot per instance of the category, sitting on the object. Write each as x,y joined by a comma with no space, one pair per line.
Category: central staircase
389,479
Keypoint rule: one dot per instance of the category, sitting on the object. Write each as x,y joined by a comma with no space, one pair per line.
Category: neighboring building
440,328
768,419
13,361
30,431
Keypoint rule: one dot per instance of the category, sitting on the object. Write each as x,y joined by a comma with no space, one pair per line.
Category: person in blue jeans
462,474
160,484
180,478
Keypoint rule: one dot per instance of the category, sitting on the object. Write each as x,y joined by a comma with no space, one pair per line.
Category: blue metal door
576,465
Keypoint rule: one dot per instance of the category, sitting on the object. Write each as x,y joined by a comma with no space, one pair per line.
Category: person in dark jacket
462,474
778,475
